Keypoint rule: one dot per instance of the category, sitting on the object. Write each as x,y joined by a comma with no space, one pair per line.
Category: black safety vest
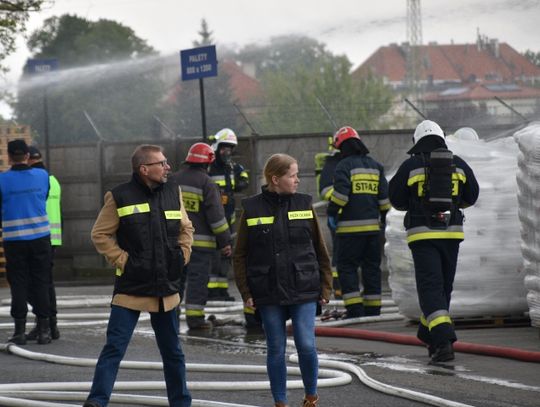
282,266
148,230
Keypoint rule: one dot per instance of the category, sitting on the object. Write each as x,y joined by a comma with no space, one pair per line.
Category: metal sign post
199,63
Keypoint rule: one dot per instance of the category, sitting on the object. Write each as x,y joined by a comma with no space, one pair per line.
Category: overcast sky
352,27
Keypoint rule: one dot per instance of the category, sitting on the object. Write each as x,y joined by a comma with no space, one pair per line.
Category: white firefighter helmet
224,136
427,128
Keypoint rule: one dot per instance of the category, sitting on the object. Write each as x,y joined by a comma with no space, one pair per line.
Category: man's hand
226,251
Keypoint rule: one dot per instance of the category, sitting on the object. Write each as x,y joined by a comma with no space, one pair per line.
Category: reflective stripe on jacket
406,191
149,226
202,202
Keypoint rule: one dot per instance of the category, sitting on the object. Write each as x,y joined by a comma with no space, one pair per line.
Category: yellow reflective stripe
300,215
249,310
457,176
133,209
335,274
327,194
353,300
194,313
119,272
444,319
260,221
365,177
173,214
423,321
191,195
338,201
372,303
435,235
220,182
217,284
221,229
385,207
353,229
244,174
204,243
416,178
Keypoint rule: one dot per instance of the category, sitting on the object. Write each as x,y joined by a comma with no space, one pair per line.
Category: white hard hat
427,128
224,136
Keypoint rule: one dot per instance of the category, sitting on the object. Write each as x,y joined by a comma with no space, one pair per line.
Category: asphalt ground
471,379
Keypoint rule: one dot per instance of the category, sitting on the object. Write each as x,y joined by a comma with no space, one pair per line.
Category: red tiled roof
451,63
243,86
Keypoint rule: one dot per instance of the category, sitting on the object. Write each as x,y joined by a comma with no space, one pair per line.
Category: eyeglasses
163,163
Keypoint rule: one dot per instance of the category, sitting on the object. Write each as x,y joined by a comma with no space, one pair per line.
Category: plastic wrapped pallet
528,179
489,276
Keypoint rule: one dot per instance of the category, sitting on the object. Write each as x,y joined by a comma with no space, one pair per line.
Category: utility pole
413,56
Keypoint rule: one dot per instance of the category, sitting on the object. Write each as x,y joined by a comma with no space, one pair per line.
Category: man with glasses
143,230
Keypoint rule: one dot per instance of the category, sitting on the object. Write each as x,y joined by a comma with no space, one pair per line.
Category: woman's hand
323,301
249,303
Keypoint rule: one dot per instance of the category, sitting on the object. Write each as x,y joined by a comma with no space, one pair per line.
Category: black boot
53,322
19,337
33,334
443,353
44,333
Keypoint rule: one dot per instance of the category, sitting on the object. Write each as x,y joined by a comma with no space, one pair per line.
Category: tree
532,56
106,71
13,17
182,111
206,36
308,89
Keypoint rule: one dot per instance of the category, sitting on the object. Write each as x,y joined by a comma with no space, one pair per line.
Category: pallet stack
9,132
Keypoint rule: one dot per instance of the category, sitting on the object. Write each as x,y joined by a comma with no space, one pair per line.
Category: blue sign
37,66
198,63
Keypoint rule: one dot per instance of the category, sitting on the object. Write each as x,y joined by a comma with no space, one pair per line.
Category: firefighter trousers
364,251
435,263
197,272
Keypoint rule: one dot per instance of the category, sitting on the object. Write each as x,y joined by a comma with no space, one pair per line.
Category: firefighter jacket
230,179
24,192
360,195
202,201
326,178
54,207
406,191
280,256
153,238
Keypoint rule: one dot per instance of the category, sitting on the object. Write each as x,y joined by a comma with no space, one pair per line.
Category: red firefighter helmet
200,153
343,134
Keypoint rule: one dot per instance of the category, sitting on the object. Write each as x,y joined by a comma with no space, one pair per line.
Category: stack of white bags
489,277
528,178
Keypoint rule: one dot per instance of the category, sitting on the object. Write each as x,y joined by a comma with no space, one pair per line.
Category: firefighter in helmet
433,186
357,208
212,238
325,166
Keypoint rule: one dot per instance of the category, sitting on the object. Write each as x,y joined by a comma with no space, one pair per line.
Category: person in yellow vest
54,212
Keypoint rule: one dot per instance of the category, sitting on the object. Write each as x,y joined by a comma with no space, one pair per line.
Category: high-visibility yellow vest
54,211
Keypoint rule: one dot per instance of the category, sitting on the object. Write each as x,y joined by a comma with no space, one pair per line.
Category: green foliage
182,112
13,18
119,87
308,89
532,56
206,35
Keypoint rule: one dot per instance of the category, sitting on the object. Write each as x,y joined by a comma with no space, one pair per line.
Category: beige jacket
103,237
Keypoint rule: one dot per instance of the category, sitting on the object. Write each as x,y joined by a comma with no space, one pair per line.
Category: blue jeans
122,322
274,318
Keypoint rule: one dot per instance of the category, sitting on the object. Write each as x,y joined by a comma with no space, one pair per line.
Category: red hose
464,347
